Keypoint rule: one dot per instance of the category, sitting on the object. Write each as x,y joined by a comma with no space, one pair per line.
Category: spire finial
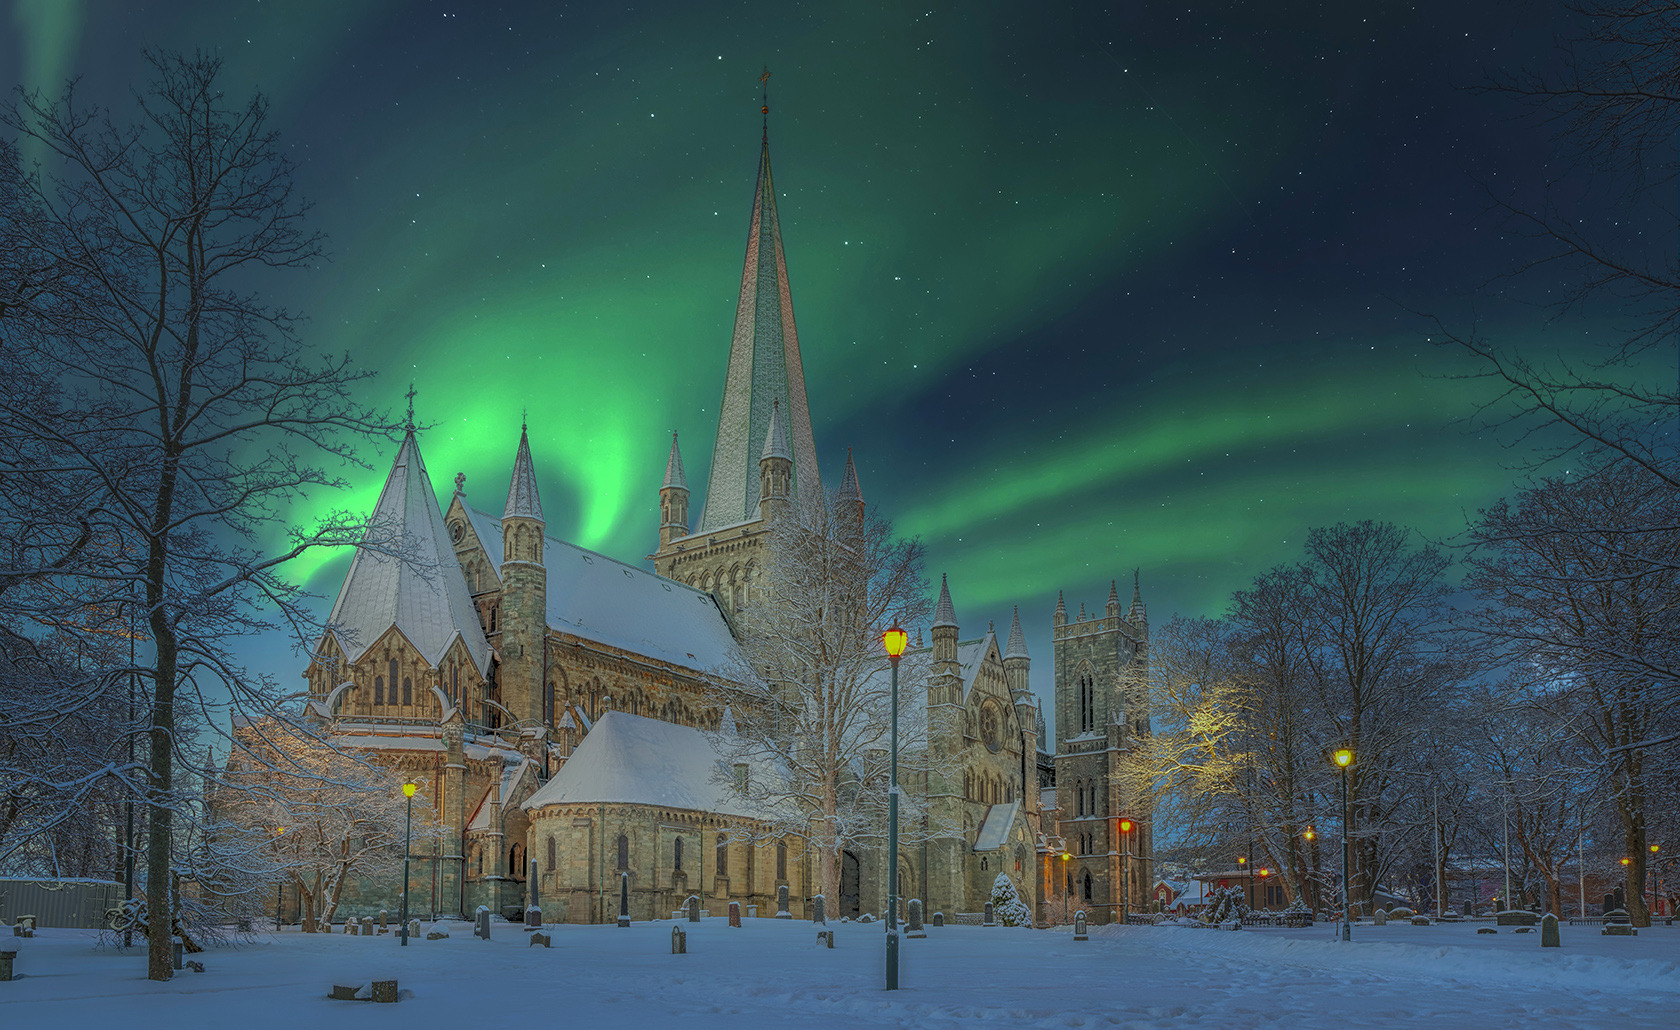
764,86
409,423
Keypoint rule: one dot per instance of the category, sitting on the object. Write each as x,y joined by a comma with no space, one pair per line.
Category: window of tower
551,851
676,855
623,852
781,860
722,854
379,690
391,678
408,691
1087,885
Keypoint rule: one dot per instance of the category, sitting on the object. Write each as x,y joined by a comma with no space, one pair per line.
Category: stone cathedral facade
550,700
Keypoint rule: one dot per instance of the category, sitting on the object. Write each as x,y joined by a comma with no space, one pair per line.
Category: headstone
817,910
437,935
533,917
385,992
349,926
1486,929
735,914
1619,930
867,917
346,992
1469,908
913,920
1420,920
693,906
538,938
1549,931
176,948
197,967
938,919
1516,917
482,929
1621,903
367,926
1609,905
624,899
991,916
782,903
679,941
1617,915
6,960
413,928
1524,929
825,938
1379,917
1079,931
383,916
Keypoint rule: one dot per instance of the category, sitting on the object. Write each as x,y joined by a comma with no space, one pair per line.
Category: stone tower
1016,665
524,611
673,499
945,800
1101,713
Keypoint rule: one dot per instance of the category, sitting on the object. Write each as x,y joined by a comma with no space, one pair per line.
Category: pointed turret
944,624
1015,661
1061,610
673,499
421,590
849,489
1113,600
775,469
1137,614
765,369
523,626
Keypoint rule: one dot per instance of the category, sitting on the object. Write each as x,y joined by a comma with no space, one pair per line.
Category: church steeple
522,499
765,371
673,499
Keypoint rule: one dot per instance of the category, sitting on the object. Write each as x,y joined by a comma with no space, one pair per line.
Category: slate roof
522,496
629,759
601,599
994,832
944,614
405,574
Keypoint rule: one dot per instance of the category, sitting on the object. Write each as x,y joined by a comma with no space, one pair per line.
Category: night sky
1085,289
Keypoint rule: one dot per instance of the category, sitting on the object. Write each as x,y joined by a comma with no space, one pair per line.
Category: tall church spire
522,489
765,370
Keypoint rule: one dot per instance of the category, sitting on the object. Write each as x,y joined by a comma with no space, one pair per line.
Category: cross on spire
764,87
409,424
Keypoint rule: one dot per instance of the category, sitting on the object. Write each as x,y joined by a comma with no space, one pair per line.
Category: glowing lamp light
1344,757
1066,856
1125,826
409,789
894,640
1627,861
1265,873
1310,835
1242,860
1655,848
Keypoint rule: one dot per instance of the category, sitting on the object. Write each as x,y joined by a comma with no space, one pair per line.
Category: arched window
623,852
1079,798
455,685
495,609
781,860
408,691
676,855
391,678
1087,885
723,854
1087,703
551,851
379,690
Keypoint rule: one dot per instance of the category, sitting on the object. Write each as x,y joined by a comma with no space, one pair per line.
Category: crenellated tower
524,611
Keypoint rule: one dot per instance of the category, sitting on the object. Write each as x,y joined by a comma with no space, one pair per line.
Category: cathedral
550,701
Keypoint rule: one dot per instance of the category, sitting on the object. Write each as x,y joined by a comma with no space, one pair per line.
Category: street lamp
1652,911
893,640
1248,881
1067,886
279,885
408,836
1263,874
1126,872
1344,758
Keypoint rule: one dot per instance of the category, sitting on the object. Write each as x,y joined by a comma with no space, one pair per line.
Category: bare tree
187,410
809,693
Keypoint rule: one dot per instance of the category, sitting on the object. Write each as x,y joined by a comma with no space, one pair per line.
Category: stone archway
851,892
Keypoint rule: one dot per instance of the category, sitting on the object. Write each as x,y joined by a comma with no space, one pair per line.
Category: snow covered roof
994,832
1046,798
384,742
971,655
600,599
405,574
629,759
511,772
522,489
1017,647
776,441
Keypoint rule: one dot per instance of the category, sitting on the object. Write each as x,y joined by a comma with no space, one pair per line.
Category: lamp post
894,640
1344,758
408,836
1067,886
1652,911
1263,874
1126,872
280,885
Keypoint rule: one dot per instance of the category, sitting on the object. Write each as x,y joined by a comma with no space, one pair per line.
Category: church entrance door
851,895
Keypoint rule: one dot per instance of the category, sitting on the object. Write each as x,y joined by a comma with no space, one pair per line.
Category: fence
72,904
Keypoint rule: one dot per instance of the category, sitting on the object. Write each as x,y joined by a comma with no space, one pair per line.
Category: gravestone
1469,908
538,938
735,914
825,938
1609,905
367,926
938,919
991,916
1420,920
1486,929
1379,917
413,929
437,935
624,899
1619,930
1079,931
693,906
383,917
482,921
1616,915
913,920
350,926
176,949
1621,901
345,992
817,910
6,960
679,941
782,903
385,992
1516,917
533,917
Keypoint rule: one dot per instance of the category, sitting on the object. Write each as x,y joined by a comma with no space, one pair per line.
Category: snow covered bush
1228,903
1007,904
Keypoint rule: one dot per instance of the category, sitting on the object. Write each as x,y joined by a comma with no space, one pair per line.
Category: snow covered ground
772,973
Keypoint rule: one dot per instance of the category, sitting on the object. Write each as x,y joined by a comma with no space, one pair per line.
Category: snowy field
772,973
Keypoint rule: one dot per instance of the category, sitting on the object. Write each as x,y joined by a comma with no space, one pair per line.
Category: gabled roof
511,774
405,574
632,760
522,499
600,599
764,369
